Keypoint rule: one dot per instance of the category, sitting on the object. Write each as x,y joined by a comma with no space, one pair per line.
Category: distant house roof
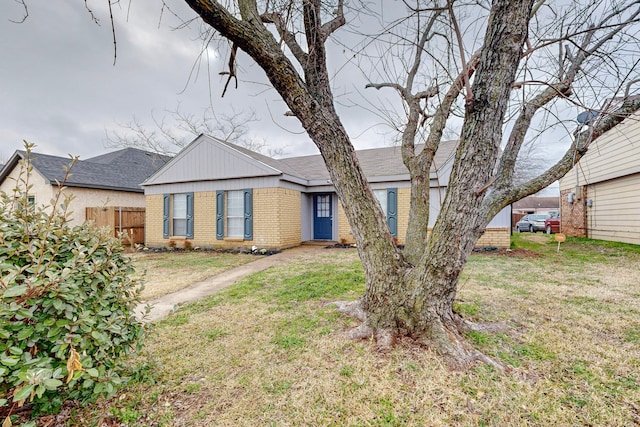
534,202
122,170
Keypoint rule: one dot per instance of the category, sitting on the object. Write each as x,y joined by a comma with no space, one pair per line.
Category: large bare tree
493,75
503,69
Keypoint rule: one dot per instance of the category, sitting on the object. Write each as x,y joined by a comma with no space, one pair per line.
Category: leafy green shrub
67,300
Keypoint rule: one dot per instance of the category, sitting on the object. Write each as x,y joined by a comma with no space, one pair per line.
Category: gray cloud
60,89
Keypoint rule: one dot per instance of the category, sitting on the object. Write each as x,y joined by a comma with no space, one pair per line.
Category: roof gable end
207,158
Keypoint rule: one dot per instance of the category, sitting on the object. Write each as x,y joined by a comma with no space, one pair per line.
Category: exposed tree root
361,332
385,339
445,339
465,325
351,308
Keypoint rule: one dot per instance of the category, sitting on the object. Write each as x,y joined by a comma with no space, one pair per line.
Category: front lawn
269,351
167,272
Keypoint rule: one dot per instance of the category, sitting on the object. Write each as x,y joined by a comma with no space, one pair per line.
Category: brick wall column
573,219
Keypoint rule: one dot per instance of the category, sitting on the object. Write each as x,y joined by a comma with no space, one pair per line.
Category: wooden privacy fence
126,220
515,217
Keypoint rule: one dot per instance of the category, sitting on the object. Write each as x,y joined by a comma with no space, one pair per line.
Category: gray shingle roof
122,170
532,202
385,161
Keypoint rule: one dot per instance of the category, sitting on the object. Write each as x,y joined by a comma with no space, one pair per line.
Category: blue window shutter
165,215
189,216
392,210
248,214
219,214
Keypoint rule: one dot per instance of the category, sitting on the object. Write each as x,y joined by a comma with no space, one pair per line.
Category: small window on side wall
234,214
178,215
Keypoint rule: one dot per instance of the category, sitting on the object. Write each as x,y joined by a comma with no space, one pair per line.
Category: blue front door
322,217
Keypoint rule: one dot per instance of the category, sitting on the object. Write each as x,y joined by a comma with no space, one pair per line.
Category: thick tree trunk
417,302
401,299
416,237
421,303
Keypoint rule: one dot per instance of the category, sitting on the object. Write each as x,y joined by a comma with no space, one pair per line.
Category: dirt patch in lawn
516,252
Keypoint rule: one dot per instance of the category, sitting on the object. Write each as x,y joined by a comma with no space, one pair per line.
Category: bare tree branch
506,168
330,27
113,31
232,69
176,129
94,18
26,12
578,149
456,29
288,37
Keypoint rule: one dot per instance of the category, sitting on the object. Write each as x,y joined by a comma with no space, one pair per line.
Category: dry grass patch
269,351
167,272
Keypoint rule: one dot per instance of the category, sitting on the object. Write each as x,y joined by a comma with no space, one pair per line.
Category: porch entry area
322,217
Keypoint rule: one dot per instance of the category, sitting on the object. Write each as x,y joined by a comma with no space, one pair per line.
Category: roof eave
147,184
98,187
10,165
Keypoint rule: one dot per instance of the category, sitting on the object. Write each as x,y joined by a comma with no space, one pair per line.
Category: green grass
167,272
270,351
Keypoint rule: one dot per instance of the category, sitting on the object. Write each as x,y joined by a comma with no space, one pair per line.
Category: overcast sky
60,88
61,91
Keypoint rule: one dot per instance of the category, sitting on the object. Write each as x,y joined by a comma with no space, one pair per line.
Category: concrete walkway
166,304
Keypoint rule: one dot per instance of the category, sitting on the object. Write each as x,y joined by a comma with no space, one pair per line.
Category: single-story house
600,196
218,194
111,179
536,205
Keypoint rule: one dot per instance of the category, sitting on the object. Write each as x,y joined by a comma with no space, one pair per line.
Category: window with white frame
381,195
179,215
235,213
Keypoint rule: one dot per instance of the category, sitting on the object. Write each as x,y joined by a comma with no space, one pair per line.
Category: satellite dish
586,117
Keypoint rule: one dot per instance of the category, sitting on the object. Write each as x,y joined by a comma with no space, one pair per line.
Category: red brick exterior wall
573,219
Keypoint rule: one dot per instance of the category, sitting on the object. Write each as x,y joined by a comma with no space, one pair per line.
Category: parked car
552,224
532,223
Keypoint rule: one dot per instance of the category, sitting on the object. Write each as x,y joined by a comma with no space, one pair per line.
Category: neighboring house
600,196
536,205
112,179
217,194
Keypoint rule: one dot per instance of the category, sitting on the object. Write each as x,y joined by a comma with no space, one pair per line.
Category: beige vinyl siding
615,211
40,187
83,198
614,154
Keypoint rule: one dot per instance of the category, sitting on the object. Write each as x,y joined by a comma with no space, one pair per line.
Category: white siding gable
206,159
614,154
